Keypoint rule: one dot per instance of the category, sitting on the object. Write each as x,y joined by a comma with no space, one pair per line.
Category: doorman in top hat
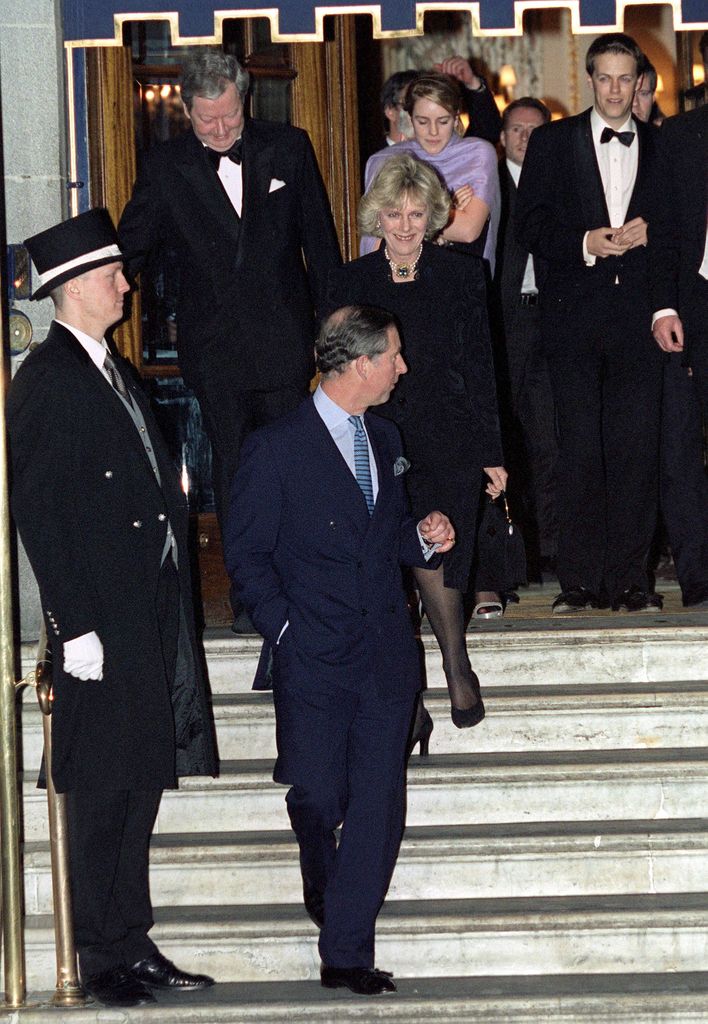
99,509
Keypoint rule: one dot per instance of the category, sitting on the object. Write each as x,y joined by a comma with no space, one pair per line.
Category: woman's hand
461,196
498,477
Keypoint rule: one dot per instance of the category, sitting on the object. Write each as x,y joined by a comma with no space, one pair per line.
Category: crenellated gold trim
272,14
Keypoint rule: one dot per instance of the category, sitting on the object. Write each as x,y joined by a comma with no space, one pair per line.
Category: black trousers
228,418
684,484
343,754
109,839
606,374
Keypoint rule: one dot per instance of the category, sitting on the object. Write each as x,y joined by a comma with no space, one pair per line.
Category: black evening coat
248,286
92,518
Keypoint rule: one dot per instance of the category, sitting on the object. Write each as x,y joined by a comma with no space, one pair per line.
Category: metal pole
68,990
13,953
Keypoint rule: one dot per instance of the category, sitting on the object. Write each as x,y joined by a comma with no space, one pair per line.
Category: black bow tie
235,154
626,138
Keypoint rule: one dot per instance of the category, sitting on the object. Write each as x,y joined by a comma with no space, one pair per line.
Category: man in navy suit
317,531
585,197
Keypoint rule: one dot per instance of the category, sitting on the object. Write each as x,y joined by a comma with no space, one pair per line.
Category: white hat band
80,261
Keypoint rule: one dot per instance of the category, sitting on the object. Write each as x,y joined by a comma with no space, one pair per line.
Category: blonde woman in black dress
447,400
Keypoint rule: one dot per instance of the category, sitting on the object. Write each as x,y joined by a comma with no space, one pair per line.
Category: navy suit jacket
301,548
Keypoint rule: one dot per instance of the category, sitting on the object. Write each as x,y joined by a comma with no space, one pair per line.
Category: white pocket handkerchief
275,184
400,466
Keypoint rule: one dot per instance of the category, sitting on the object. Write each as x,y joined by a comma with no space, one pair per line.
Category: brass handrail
68,991
11,904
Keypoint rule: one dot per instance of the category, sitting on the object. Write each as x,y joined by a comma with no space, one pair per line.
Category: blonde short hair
404,175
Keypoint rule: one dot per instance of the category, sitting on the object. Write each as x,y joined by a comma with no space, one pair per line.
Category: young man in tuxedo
678,268
584,199
517,278
242,206
103,518
318,529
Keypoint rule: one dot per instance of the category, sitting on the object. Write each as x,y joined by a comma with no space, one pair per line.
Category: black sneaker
576,599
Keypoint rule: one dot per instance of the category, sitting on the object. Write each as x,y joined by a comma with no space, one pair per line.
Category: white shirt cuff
280,634
662,312
427,549
588,257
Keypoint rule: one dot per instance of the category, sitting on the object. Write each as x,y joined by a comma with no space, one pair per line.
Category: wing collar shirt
618,170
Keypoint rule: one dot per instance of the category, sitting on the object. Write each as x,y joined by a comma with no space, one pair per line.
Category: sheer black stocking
444,608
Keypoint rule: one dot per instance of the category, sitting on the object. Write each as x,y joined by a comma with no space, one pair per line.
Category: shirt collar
332,414
597,124
96,350
514,170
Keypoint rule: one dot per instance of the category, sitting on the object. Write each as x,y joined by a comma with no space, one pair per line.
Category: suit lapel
193,165
331,464
383,466
592,194
257,175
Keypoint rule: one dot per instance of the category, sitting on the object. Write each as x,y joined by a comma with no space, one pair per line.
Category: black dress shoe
637,600
159,972
117,987
575,599
365,981
695,597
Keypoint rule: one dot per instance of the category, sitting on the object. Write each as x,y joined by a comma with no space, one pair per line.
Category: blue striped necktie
362,469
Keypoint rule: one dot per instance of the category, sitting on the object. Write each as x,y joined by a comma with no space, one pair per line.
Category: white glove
83,657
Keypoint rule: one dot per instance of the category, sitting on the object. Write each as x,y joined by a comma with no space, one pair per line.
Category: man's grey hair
350,332
207,72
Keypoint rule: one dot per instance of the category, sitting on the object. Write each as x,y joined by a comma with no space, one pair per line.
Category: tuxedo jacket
92,517
511,256
677,230
301,547
246,297
560,197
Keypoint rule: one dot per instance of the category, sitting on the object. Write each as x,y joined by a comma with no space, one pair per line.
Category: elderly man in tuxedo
585,194
318,530
678,267
517,278
242,205
101,513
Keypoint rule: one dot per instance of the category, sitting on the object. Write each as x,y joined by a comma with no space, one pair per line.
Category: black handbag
500,545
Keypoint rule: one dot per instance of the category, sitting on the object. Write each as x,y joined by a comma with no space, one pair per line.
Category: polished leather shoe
365,981
117,987
695,597
159,972
637,600
575,599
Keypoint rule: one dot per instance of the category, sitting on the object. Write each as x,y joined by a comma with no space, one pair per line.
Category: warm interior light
699,74
149,95
165,91
659,83
507,76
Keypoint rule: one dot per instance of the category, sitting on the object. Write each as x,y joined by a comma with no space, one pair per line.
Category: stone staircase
555,864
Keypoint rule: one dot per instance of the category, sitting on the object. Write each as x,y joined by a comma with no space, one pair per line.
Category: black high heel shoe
465,718
421,732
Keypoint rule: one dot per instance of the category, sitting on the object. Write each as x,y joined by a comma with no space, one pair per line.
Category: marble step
449,789
520,860
514,653
674,998
509,652
551,935
566,717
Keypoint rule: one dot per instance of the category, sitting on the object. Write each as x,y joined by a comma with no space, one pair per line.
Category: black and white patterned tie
116,379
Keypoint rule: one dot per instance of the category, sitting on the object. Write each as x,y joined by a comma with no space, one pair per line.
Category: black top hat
72,248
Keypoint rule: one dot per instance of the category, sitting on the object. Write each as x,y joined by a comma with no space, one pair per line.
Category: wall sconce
698,74
659,84
507,81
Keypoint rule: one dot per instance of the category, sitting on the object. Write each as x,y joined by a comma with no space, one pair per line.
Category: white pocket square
275,184
400,466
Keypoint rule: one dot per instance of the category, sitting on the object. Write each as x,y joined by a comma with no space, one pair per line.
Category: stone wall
33,136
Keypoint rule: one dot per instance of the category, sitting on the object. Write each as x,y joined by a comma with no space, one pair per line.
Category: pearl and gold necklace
403,269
